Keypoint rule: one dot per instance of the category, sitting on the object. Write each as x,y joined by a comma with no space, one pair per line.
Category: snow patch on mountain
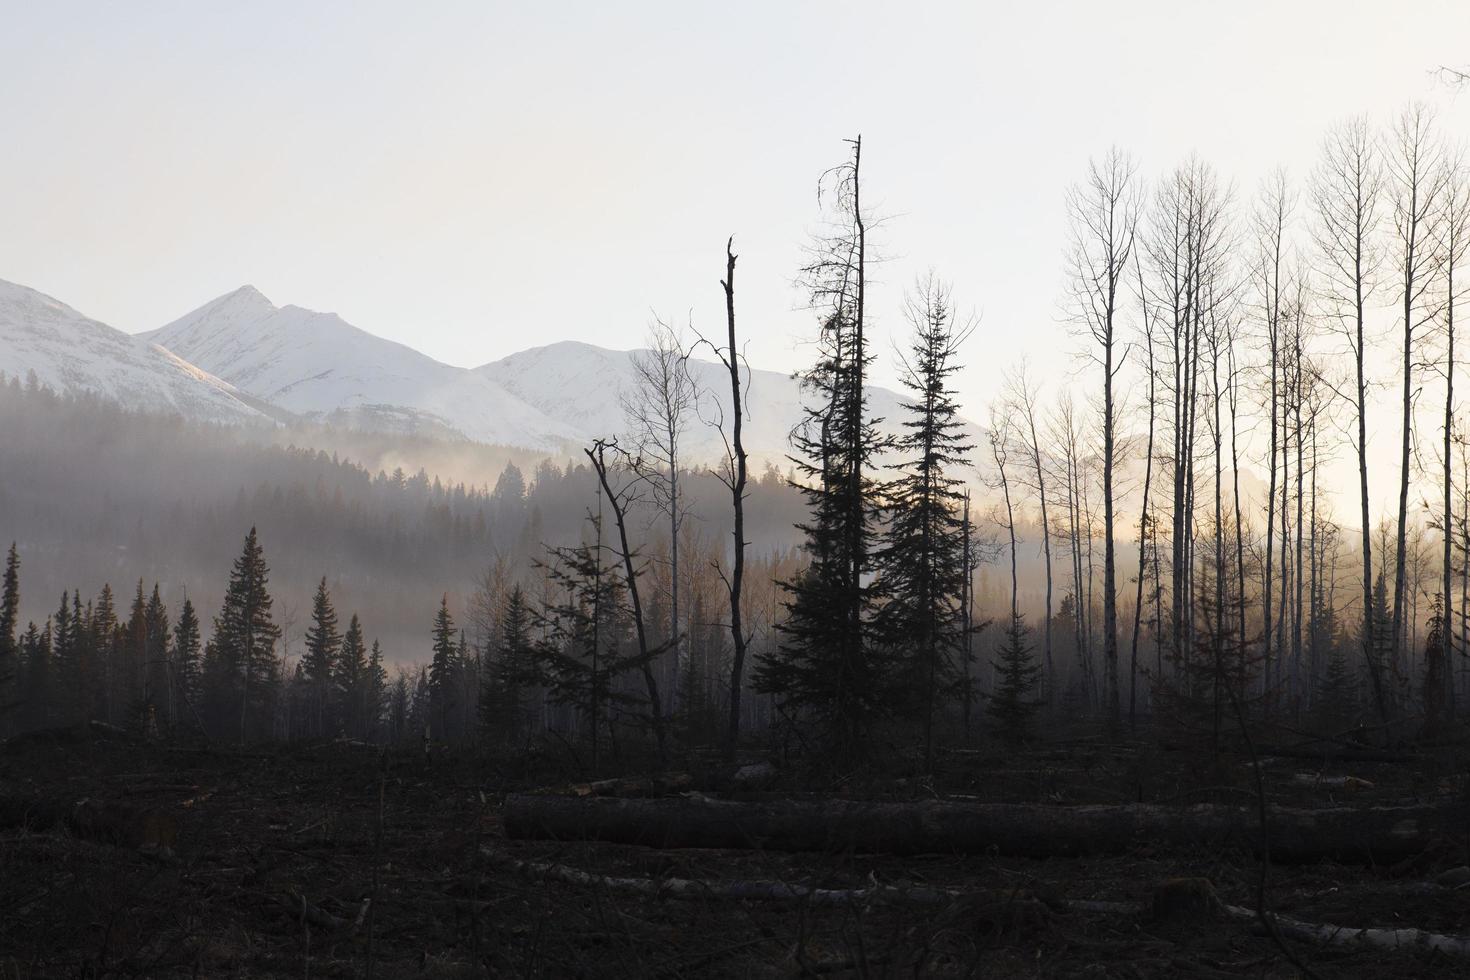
319,366
72,353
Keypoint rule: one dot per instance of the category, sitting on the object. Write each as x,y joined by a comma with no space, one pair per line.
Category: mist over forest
781,491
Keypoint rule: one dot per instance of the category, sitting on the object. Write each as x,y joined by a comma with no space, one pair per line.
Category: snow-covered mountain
582,386
71,353
241,357
319,366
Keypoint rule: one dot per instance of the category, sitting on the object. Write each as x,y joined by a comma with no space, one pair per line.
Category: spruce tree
244,645
504,681
1336,703
444,675
319,663
352,681
37,692
99,638
375,692
131,691
1017,675
9,649
156,668
923,553
587,646
1434,689
827,670
67,670
186,665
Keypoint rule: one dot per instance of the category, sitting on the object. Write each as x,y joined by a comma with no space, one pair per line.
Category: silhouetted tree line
1215,347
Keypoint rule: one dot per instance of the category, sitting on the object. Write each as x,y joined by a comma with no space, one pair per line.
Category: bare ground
283,862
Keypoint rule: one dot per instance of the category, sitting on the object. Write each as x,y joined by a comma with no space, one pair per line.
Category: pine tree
1335,703
503,685
444,675
157,673
319,663
245,667
186,665
36,678
1017,674
99,638
375,693
827,669
9,649
130,685
922,558
1435,686
587,645
73,668
352,681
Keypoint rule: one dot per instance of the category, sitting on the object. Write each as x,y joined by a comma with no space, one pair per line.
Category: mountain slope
72,353
319,366
582,385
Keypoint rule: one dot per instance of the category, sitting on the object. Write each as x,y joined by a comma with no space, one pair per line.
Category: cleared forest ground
122,857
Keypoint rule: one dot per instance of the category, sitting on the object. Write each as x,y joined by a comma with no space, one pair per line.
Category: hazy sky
474,178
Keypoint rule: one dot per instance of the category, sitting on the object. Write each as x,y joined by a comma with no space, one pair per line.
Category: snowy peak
320,366
72,353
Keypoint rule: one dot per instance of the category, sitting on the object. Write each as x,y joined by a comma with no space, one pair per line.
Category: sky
473,178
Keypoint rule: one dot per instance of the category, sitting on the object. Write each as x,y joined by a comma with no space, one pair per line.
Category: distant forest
866,596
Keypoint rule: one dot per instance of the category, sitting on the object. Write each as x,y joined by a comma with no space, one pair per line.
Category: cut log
1316,779
940,827
742,891
1330,935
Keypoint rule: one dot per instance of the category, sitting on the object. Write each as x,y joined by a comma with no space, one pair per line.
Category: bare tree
1272,217
619,500
1186,252
1022,398
733,475
1143,507
657,408
1346,189
1417,178
1104,214
1455,235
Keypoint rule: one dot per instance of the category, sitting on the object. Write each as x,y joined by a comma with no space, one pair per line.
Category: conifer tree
443,675
922,557
1017,675
67,669
155,656
245,666
352,681
130,685
586,648
36,678
504,682
1435,684
186,664
320,661
98,636
375,692
9,649
826,669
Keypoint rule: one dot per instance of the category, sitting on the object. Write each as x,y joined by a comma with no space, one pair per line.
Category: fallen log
1317,780
742,891
941,827
1189,898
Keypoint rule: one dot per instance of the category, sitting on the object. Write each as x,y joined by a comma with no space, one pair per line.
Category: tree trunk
737,497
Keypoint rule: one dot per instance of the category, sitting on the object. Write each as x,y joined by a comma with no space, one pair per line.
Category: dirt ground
339,860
